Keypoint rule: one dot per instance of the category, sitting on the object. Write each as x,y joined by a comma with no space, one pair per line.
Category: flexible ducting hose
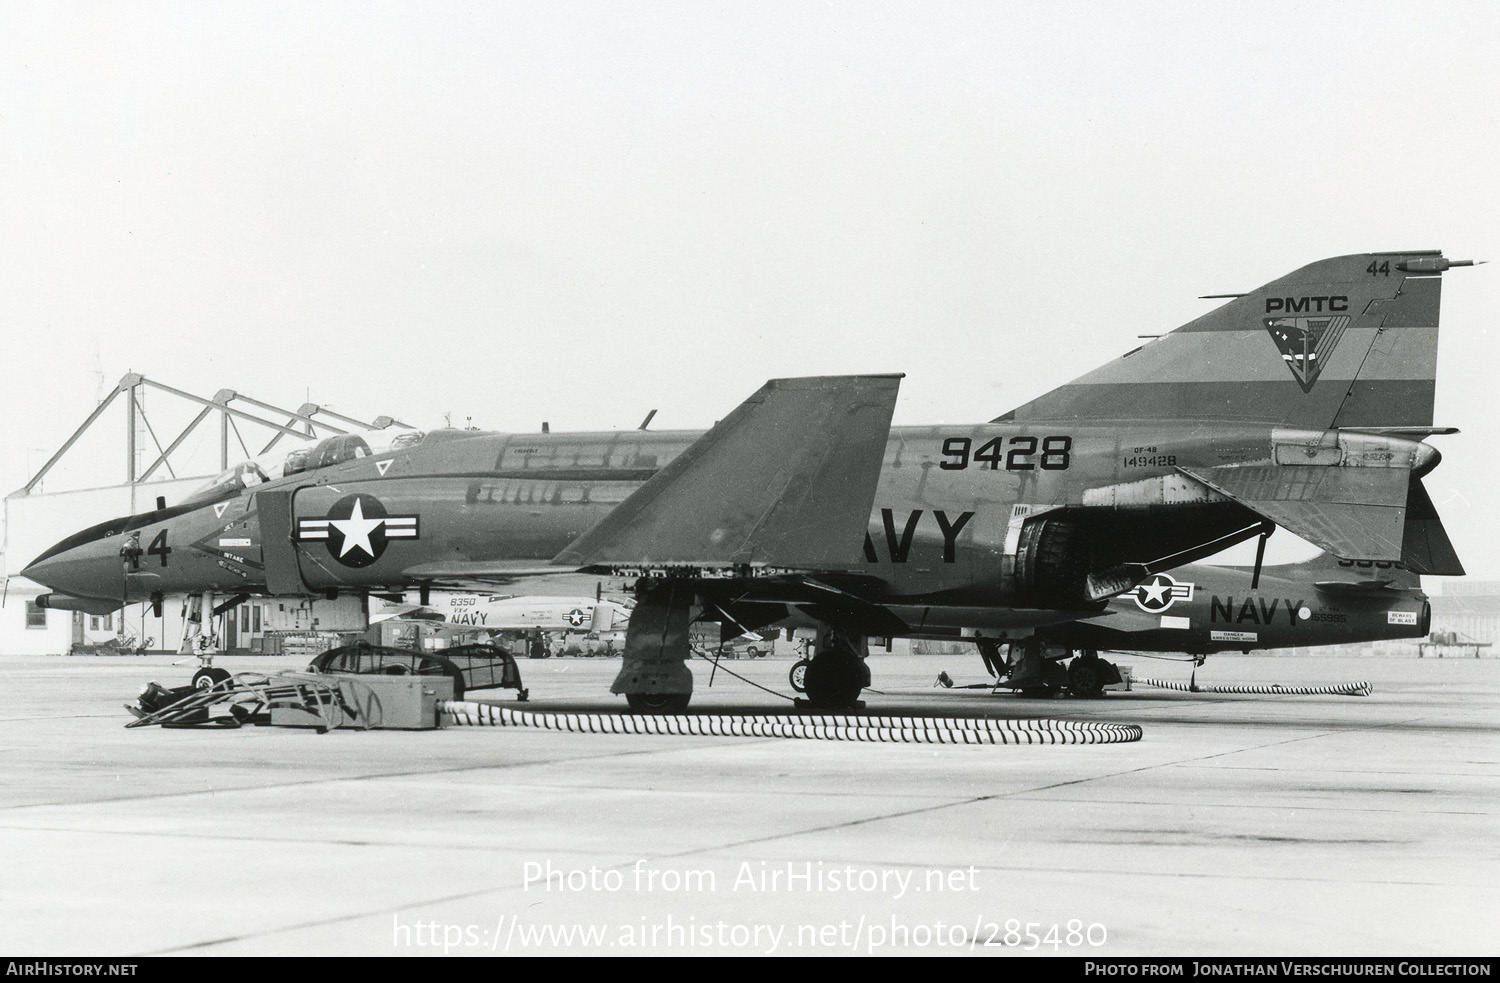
1341,689
818,727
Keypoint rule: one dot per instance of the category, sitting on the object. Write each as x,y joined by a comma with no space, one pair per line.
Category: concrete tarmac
1254,825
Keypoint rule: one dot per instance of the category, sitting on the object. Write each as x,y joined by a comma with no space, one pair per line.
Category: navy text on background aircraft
1302,404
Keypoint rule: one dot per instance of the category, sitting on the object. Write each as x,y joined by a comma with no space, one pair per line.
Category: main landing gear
836,674
658,702
654,677
1088,674
840,674
1035,670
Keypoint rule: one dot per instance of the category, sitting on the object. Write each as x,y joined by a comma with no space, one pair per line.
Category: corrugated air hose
1338,689
817,727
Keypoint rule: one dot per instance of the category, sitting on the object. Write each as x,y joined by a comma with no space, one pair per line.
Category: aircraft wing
406,612
784,483
787,480
485,576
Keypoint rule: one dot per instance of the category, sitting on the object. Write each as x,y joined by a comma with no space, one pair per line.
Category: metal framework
308,422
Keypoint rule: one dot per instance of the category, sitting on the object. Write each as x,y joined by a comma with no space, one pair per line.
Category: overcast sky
579,212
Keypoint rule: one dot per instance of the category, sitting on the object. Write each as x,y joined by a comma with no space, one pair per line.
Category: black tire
834,680
1049,683
797,675
1086,676
209,678
658,702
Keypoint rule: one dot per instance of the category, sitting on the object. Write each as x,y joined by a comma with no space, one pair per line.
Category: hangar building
179,446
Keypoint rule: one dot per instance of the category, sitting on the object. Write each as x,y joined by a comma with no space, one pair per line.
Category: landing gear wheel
1086,676
834,680
210,677
658,702
798,675
1032,673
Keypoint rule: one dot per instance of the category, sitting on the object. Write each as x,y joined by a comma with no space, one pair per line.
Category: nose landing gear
198,638
210,676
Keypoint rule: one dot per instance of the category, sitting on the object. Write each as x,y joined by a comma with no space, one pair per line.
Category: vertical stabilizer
1344,342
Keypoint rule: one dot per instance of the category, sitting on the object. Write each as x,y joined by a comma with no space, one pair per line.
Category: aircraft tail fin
1343,342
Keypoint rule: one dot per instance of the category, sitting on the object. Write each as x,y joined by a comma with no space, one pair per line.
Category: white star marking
356,530
1156,591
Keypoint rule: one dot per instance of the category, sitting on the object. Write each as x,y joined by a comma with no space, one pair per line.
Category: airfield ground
1273,825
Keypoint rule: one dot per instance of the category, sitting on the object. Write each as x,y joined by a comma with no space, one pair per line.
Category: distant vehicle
124,644
754,645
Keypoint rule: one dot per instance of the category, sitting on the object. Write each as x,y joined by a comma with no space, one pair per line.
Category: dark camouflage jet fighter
1201,609
1303,404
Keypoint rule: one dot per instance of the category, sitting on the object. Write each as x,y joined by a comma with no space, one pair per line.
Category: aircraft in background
1302,404
484,612
1201,609
528,622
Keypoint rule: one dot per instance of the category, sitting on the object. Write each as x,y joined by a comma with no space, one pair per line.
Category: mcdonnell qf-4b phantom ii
1200,609
1303,404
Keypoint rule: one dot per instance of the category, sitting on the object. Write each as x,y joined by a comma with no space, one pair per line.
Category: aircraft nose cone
84,571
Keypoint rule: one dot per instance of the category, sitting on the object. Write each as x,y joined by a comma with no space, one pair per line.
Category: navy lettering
899,549
950,532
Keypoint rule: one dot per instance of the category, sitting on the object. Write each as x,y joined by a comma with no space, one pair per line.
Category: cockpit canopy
326,453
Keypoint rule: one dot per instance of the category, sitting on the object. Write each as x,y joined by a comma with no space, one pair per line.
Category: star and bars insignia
357,529
1305,343
1158,593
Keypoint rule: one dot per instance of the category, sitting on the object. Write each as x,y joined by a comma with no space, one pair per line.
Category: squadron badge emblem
1305,343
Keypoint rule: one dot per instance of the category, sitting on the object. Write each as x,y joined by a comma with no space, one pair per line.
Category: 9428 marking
1025,453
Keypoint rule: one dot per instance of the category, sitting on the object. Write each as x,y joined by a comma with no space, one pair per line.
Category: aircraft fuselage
947,528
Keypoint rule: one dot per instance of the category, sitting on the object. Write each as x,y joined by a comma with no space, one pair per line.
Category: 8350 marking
1025,453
